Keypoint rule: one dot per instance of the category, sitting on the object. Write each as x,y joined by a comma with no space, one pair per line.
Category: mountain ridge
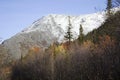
50,29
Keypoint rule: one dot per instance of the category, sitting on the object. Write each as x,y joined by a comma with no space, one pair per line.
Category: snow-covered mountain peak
49,29
54,22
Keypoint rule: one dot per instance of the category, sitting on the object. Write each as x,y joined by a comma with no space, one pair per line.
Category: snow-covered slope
58,24
49,29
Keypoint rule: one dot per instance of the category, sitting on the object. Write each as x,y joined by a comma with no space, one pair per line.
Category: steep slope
110,27
49,29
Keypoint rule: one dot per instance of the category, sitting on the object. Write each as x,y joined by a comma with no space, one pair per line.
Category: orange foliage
65,45
35,49
33,52
107,44
6,70
106,41
88,44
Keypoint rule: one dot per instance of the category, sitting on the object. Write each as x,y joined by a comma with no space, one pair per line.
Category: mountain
51,28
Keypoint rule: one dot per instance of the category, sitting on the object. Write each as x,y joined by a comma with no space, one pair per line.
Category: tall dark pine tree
69,35
81,35
94,36
109,6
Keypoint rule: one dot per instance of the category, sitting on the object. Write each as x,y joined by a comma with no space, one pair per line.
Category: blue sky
15,15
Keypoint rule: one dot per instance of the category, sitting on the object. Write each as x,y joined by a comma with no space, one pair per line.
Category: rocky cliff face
49,29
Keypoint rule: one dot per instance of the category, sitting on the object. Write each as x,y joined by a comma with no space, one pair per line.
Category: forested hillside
110,27
95,58
91,56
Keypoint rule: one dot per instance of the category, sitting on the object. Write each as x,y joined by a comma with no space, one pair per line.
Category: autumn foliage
97,57
87,61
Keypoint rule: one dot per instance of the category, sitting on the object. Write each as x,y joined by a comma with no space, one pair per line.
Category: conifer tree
69,35
94,36
81,35
109,6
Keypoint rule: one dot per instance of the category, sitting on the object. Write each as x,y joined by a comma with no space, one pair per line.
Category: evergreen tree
94,36
69,35
109,6
81,35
